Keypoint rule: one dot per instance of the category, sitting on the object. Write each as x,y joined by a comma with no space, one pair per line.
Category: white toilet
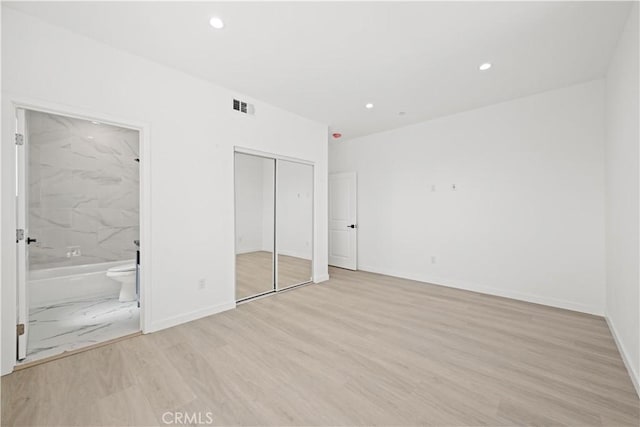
126,275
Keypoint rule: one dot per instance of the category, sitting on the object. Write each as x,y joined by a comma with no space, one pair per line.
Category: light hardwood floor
361,349
254,272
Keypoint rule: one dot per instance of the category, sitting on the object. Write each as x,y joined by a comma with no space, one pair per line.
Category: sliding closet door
294,223
255,219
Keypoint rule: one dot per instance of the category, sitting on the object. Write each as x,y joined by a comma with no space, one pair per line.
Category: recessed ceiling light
369,106
216,23
90,137
485,66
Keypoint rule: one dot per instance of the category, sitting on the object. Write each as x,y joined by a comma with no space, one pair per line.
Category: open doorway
78,225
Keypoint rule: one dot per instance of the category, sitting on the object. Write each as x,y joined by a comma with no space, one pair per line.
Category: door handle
30,240
352,226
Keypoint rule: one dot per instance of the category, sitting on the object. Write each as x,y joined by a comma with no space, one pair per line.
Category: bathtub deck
66,326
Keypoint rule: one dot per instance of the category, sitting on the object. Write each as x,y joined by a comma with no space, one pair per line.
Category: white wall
192,134
623,191
526,220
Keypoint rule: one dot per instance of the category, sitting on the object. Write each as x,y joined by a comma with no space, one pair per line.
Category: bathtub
51,285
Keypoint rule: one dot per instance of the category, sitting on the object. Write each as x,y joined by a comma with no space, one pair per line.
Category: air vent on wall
243,107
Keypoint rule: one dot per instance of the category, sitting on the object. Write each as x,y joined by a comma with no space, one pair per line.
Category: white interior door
22,233
343,228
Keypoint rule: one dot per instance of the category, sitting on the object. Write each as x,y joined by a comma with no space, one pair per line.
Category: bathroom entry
274,224
78,199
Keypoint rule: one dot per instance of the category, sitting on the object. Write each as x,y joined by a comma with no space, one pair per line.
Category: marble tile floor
70,325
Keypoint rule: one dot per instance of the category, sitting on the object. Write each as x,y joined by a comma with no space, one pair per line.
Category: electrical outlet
202,283
73,251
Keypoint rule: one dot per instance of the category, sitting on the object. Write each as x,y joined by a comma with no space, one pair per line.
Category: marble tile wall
83,191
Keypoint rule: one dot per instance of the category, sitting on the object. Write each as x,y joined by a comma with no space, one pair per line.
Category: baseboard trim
321,278
188,317
467,286
635,379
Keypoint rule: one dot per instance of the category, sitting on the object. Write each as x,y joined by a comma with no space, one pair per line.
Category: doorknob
351,226
30,240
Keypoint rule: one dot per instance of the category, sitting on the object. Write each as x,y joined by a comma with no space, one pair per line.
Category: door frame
22,222
143,129
275,157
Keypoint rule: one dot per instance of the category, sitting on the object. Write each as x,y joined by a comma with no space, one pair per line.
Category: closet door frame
276,158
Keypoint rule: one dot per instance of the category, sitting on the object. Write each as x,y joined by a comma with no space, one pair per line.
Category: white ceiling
325,60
